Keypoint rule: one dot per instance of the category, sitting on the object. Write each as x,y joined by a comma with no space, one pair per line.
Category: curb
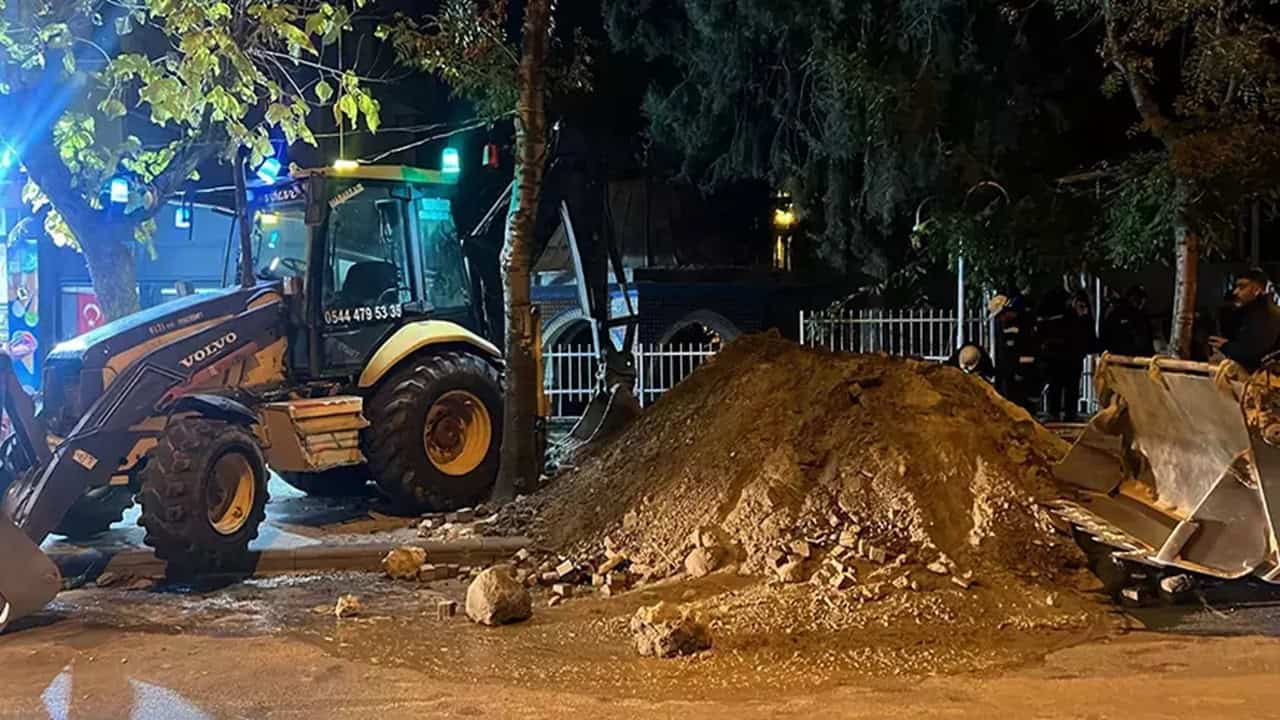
86,565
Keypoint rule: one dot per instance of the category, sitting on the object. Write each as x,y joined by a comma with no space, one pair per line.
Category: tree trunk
520,463
1187,244
112,267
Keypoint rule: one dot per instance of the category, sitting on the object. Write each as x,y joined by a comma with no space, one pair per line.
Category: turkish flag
88,313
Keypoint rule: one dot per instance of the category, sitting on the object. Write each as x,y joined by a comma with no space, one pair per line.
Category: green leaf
346,106
278,113
69,63
124,25
112,108
370,108
324,91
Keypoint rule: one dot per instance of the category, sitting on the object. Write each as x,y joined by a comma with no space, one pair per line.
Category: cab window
368,265
443,262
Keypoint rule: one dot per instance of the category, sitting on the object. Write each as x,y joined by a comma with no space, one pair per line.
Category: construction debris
665,630
446,609
348,606
462,516
852,496
703,561
792,572
433,573
566,569
404,562
495,598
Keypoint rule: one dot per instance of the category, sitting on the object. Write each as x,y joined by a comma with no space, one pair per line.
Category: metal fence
928,334
569,373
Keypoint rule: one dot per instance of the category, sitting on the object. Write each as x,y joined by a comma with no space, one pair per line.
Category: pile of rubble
865,477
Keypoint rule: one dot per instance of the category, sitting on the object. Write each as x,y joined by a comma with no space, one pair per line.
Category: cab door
369,283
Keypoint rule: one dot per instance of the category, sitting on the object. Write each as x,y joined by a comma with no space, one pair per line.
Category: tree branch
1143,93
175,175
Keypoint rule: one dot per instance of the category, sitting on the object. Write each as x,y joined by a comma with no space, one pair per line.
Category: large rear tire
95,512
204,494
335,483
435,431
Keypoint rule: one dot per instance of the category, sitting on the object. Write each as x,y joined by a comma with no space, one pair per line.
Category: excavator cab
370,249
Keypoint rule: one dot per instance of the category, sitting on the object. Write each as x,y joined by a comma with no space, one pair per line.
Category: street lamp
784,221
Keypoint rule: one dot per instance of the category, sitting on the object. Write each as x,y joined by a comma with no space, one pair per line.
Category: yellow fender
414,337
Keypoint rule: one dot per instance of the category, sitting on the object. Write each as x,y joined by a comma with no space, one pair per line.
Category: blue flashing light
119,190
182,217
269,170
450,162
7,157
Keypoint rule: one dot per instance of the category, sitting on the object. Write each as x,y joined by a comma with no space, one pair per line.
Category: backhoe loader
358,353
1180,471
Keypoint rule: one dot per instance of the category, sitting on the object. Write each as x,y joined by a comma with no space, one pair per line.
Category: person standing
1126,330
1015,351
1074,340
1256,322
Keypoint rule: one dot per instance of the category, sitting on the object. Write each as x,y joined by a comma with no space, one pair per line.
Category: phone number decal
372,313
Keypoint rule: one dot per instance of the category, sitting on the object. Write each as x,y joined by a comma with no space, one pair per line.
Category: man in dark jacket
1257,323
1015,351
1068,338
1126,329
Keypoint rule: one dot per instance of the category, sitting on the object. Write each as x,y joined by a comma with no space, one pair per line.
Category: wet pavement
294,520
1245,607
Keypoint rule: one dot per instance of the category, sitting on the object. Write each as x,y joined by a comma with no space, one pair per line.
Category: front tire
435,432
204,494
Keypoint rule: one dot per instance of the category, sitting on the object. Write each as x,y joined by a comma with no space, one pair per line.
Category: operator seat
366,282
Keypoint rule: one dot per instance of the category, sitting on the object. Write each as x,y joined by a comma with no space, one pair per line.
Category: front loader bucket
28,578
1171,474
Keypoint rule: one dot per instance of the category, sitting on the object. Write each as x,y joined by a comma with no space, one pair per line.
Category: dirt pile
865,477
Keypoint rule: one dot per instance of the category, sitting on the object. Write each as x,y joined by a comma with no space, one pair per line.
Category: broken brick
801,548
446,609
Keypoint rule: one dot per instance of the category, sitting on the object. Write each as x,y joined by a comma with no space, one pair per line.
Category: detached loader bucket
1171,474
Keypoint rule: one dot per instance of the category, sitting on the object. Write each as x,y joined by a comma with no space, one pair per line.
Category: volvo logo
210,351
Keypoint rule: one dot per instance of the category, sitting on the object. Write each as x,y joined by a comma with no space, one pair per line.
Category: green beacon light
450,161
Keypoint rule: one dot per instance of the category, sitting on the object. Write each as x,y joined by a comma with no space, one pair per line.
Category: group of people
1039,352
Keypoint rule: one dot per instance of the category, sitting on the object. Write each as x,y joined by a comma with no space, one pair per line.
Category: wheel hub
230,493
457,433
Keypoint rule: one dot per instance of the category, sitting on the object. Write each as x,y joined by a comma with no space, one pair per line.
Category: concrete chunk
495,598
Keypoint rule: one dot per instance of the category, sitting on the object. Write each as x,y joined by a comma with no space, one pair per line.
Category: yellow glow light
345,164
268,218
784,219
